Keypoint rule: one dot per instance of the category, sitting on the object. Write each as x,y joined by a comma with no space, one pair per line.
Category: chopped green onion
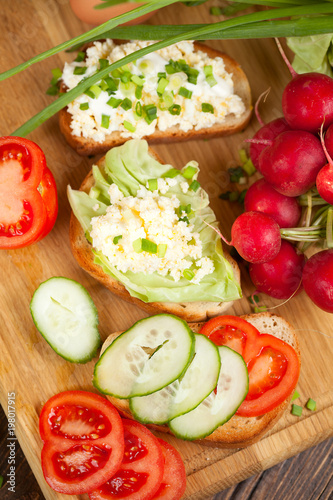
126,104
137,245
111,83
243,156
90,94
296,410
129,126
191,242
216,11
146,66
1,481
194,186
152,184
117,238
138,109
173,172
113,102
161,74
162,84
235,174
170,68
185,208
249,168
116,73
148,246
260,309
188,274
151,112
138,92
80,57
53,90
192,75
189,171
80,70
126,77
105,121
234,195
96,90
84,106
175,109
138,80
128,89
104,85
211,81
254,299
166,101
57,74
311,404
208,70
161,250
185,93
103,63
296,395
207,108
241,196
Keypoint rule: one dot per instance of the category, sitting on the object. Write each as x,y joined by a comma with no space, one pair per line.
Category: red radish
262,197
324,181
256,237
281,276
329,140
318,279
269,131
292,162
307,100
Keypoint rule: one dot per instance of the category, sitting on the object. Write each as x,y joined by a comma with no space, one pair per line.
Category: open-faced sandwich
185,91
146,231
225,386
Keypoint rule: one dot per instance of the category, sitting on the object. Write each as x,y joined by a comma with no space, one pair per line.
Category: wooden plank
28,366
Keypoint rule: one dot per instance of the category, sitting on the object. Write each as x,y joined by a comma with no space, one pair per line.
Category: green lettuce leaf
130,166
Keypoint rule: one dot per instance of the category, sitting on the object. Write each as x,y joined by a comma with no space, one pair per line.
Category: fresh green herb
148,246
296,395
207,108
126,104
129,126
113,102
185,93
194,186
188,274
80,57
80,70
311,404
152,184
296,410
116,239
173,172
175,109
137,245
105,121
84,106
161,250
189,171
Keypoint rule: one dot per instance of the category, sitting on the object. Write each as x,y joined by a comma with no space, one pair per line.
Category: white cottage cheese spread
174,247
94,116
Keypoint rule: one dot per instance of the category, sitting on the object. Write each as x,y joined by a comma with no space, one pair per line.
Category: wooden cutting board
28,366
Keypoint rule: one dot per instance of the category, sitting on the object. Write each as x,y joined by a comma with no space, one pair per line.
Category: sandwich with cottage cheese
145,230
185,91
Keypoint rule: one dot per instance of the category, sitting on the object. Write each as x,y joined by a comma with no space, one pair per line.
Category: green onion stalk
286,18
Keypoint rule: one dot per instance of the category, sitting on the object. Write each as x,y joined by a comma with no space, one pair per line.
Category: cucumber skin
202,436
95,375
92,354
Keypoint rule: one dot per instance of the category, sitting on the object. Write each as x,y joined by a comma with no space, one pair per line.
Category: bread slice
238,432
232,124
82,251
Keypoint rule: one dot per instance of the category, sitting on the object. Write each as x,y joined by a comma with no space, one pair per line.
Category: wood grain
28,366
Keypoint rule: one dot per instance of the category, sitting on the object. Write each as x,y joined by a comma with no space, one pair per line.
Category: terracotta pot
84,10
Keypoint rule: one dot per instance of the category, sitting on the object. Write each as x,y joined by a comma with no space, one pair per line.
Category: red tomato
28,193
141,472
174,478
273,365
84,441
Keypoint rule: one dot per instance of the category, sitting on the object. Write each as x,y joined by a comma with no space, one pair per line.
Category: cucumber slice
219,406
185,393
67,318
150,355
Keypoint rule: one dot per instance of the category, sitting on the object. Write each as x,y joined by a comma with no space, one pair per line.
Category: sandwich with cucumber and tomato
224,383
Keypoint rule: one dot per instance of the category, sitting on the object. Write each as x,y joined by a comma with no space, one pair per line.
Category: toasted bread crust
238,432
230,125
189,311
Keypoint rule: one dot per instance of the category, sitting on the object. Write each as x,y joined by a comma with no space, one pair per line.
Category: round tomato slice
27,191
174,478
84,441
273,365
141,472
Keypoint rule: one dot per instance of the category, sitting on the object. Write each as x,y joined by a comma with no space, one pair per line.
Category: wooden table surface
28,27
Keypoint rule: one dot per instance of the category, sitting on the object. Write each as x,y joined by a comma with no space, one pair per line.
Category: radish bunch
295,160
